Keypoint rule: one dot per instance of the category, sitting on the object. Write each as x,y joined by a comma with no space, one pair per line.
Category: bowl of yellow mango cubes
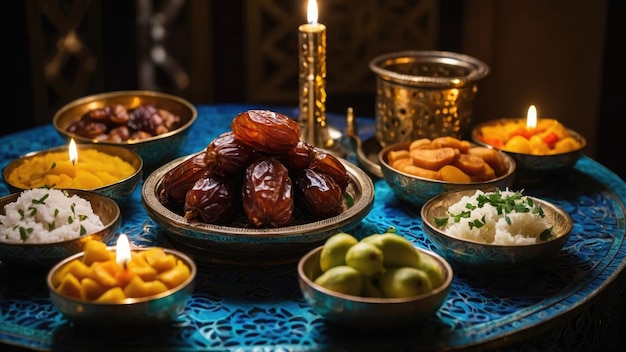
108,170
100,287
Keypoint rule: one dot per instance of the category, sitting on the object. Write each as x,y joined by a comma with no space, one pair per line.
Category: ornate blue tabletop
573,301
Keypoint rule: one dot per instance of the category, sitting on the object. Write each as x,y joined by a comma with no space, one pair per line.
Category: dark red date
226,155
211,200
266,131
320,195
267,193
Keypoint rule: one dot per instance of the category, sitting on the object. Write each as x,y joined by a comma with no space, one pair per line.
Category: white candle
312,79
73,151
122,250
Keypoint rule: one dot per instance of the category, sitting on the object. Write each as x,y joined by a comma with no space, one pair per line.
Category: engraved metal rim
579,137
454,196
477,68
128,301
129,93
363,183
125,154
382,159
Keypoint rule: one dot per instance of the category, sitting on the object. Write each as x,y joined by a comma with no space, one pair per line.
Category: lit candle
122,250
122,257
531,118
73,151
312,79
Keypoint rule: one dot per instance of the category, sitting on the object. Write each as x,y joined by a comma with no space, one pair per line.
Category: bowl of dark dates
152,124
256,194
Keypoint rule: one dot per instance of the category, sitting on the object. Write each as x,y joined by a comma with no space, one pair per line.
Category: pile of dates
116,123
262,169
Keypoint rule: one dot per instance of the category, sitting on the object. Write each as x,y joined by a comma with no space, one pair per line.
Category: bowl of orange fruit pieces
93,288
549,147
420,169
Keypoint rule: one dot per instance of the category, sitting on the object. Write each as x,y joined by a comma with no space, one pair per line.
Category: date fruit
180,179
326,163
299,157
319,193
266,131
211,200
226,155
267,193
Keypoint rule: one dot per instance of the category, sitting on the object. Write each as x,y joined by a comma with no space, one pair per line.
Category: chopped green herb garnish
41,200
70,220
82,230
546,234
21,212
82,217
25,233
32,211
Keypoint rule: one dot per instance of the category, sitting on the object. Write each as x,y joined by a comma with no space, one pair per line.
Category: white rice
524,227
43,215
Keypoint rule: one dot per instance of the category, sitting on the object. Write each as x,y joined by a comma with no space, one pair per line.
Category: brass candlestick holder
312,94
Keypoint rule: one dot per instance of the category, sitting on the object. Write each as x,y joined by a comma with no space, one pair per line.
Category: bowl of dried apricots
421,169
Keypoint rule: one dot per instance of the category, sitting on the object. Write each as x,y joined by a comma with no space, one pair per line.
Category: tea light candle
312,80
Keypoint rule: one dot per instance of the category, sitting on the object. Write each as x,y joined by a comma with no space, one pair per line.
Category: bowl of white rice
41,226
500,230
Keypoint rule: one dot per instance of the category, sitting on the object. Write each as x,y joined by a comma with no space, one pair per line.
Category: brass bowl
47,254
369,313
119,191
240,243
153,310
418,190
529,165
493,257
154,150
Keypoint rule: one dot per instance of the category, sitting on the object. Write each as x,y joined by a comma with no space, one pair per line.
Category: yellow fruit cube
96,251
139,288
175,276
69,286
113,295
90,289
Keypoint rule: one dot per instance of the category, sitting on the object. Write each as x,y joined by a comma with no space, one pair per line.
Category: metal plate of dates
238,242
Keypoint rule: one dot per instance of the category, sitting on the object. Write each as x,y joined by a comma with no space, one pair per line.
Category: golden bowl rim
136,162
512,167
544,203
120,93
128,301
445,286
476,129
79,192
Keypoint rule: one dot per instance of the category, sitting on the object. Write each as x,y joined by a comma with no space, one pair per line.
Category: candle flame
311,12
531,117
122,251
73,152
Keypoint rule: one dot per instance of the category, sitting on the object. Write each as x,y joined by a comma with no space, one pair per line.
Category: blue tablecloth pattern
573,301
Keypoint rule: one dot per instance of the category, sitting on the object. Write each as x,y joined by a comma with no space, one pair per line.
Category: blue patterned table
575,302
